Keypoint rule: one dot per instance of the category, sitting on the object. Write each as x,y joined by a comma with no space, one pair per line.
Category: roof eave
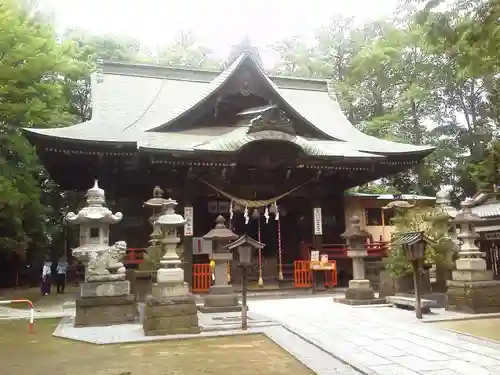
335,158
32,135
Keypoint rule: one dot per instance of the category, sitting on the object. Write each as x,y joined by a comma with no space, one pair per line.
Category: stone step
411,302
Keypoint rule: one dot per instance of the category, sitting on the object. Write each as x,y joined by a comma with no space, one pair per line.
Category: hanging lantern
256,214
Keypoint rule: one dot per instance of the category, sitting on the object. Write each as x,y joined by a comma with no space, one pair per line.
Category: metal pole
244,325
416,281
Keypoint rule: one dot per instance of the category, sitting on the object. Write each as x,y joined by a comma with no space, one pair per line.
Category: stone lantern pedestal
472,289
171,308
359,292
221,297
105,297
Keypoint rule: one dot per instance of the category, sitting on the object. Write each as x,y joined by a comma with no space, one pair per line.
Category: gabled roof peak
244,47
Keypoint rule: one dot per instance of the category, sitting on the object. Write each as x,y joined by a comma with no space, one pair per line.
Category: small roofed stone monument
359,292
221,297
472,289
105,295
171,309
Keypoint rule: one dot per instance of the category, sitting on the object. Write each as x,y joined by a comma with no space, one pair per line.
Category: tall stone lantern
171,309
359,291
145,275
154,252
472,289
94,221
221,297
105,297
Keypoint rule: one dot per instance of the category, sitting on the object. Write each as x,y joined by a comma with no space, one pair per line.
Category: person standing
46,274
62,269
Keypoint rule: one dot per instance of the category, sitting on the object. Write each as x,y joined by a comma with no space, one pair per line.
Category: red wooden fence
202,277
302,274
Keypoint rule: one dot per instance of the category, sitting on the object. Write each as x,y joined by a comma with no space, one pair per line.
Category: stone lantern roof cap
95,211
245,240
157,200
220,232
170,218
466,215
354,230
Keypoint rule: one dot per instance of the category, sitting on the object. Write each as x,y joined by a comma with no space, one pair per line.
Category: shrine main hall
273,155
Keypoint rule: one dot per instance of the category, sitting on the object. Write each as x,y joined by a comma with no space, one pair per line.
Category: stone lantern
171,309
157,204
105,295
472,289
471,266
359,291
145,275
94,221
154,252
221,297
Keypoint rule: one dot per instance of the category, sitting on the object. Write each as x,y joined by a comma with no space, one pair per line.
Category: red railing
336,251
302,274
134,256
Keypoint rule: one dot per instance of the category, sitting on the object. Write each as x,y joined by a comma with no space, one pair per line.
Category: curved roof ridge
203,95
238,138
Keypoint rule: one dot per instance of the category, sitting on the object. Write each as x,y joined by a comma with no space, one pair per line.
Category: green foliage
32,94
487,172
428,76
435,226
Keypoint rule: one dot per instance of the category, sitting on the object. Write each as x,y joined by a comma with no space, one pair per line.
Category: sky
218,24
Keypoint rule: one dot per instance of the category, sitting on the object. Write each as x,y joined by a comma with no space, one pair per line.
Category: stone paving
386,340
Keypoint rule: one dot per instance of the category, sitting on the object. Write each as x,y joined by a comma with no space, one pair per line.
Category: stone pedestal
171,309
360,293
103,303
221,296
359,289
473,297
167,314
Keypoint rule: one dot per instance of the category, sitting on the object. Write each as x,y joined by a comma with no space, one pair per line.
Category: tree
487,172
32,70
187,52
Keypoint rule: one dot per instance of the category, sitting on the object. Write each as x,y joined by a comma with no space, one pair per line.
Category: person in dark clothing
62,269
46,274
